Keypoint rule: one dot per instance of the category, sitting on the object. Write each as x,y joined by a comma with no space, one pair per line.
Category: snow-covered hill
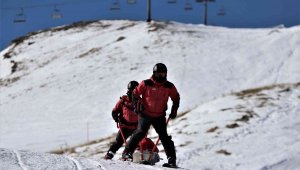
58,86
253,129
27,160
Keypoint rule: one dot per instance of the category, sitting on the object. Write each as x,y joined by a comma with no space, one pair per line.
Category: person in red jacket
150,99
123,113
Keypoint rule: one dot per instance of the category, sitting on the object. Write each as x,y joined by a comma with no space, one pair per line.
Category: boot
126,156
109,155
171,162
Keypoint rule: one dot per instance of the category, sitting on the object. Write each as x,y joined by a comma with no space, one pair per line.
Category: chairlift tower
205,2
149,11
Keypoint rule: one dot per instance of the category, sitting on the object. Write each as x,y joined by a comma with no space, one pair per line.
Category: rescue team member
124,112
150,99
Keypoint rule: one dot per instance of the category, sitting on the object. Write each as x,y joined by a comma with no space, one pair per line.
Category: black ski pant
115,146
160,126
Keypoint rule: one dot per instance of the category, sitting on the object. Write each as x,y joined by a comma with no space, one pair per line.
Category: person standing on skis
123,114
150,99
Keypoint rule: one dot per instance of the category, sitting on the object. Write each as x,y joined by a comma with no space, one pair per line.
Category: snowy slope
252,129
66,81
258,129
23,160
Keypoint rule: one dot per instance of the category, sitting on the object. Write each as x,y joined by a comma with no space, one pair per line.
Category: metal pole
149,11
205,12
87,132
120,129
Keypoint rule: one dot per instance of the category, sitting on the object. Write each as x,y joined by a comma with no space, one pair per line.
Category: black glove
173,115
116,116
174,111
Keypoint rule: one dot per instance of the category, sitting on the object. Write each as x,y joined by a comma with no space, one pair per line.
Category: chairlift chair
201,1
115,6
20,17
188,6
222,11
171,1
131,1
56,13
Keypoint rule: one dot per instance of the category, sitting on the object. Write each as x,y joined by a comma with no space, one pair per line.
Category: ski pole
157,142
120,129
141,148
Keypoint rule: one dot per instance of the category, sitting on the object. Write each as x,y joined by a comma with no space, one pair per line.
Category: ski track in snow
274,165
76,163
101,166
98,164
282,64
21,164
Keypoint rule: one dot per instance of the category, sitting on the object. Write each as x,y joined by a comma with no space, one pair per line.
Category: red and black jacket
128,118
154,97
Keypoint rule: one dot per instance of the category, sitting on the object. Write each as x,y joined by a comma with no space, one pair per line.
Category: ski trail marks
76,163
100,165
21,164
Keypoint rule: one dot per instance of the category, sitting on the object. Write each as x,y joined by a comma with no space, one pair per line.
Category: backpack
128,118
144,152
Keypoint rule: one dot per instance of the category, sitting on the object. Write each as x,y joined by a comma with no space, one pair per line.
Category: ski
169,166
166,165
146,162
125,159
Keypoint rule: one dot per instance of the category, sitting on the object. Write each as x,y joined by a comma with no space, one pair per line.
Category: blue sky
239,13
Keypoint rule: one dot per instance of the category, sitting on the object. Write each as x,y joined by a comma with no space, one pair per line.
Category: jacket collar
156,83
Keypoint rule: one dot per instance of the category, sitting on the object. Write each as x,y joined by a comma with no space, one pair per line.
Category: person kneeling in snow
146,152
126,119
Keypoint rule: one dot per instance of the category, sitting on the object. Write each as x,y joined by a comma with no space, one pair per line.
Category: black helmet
132,85
160,73
160,68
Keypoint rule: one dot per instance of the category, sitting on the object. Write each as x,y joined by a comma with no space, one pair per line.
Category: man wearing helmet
123,113
150,99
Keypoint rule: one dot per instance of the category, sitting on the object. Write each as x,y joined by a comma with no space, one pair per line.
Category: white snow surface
68,81
266,138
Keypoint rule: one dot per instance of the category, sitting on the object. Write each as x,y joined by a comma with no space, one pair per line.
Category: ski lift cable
49,5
